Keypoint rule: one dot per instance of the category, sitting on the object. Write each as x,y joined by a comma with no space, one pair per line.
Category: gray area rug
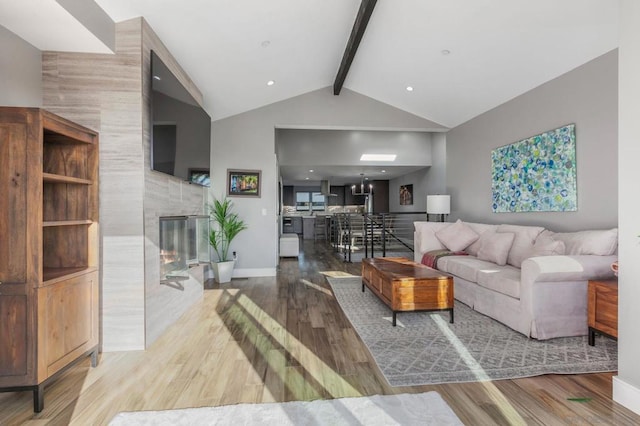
426,349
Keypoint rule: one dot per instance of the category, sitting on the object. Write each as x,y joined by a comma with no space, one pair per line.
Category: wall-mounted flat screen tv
181,128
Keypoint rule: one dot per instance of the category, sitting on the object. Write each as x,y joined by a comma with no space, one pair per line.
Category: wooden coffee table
406,286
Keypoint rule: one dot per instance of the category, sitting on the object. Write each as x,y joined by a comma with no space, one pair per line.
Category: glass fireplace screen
184,242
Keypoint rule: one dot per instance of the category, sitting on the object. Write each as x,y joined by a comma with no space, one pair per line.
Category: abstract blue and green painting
537,174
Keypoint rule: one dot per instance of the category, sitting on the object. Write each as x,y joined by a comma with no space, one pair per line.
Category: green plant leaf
226,225
583,399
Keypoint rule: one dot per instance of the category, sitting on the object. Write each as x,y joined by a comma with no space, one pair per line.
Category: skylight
378,157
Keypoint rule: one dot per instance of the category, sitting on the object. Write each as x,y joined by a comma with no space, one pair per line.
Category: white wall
247,141
20,71
586,96
626,386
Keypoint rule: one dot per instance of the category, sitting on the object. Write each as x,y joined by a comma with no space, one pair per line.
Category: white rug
405,409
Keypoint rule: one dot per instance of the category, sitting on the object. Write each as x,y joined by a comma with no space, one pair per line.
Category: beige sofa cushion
495,247
525,237
456,237
480,229
503,279
598,242
465,267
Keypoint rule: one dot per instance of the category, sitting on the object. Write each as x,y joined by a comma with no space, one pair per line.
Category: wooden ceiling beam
359,26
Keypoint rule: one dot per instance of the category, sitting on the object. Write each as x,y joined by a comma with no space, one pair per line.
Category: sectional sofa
529,278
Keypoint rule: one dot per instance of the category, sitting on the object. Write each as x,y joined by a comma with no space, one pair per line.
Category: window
306,199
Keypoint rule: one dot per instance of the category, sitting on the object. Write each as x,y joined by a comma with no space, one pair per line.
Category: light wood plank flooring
283,339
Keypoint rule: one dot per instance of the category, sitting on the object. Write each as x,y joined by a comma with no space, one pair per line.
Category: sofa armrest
424,238
567,268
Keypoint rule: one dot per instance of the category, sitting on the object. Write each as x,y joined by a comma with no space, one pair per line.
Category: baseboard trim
114,348
626,394
254,272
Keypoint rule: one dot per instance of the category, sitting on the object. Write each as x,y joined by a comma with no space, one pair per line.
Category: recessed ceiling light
378,157
409,88
270,83
445,52
383,171
157,77
306,178
311,171
265,43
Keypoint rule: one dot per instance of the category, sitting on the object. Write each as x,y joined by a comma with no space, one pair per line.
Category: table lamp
439,204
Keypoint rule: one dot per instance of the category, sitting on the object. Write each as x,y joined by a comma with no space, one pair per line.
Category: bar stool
320,228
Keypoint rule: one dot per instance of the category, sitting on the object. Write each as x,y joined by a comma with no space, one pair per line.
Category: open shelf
67,222
53,178
54,275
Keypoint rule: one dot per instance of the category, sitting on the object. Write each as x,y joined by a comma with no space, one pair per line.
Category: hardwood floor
282,339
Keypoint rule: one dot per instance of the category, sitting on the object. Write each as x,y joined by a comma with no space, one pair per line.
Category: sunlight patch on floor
494,393
324,375
317,287
337,274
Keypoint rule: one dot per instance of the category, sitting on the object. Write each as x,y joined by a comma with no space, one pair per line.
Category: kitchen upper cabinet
352,200
338,200
287,196
380,196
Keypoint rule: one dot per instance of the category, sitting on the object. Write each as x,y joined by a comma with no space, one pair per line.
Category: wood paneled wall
110,93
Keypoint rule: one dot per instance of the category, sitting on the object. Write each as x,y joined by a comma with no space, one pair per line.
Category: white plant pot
223,271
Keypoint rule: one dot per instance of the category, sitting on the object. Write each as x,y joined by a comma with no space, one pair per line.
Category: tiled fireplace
184,242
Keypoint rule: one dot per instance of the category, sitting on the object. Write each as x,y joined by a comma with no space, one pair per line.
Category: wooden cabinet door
13,203
16,354
68,320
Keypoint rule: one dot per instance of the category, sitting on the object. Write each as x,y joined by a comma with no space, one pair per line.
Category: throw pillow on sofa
523,241
545,245
480,229
456,237
494,247
597,242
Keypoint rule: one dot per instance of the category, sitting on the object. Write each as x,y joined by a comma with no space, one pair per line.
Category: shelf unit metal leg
38,398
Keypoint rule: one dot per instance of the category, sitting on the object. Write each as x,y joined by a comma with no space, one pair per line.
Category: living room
597,96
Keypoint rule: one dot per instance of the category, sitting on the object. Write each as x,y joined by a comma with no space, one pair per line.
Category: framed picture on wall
200,177
243,183
406,195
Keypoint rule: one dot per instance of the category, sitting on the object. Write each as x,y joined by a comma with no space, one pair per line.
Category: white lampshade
438,204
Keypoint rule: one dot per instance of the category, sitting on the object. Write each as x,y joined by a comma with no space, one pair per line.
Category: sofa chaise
528,278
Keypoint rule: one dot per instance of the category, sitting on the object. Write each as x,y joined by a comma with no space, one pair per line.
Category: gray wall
626,386
94,18
431,180
247,141
420,182
586,96
20,71
344,147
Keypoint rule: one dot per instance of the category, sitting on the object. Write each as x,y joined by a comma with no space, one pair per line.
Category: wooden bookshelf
49,266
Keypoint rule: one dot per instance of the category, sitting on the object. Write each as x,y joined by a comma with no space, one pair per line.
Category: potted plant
225,226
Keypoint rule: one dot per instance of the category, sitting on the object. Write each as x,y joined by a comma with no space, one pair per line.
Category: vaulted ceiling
462,57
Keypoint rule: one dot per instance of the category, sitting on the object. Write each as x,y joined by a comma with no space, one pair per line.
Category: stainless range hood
325,189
